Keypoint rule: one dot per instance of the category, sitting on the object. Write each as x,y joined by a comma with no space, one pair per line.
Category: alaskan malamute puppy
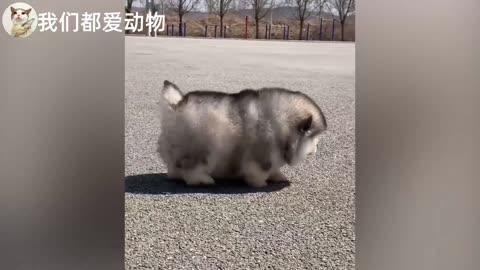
251,134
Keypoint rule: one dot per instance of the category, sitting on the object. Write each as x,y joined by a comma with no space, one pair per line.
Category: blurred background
260,19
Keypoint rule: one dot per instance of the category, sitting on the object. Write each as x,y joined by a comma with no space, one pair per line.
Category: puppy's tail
171,94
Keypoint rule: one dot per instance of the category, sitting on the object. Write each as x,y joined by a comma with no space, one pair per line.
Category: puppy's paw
256,183
196,180
207,180
197,176
277,176
255,176
172,173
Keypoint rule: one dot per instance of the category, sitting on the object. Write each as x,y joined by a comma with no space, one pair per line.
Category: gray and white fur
251,134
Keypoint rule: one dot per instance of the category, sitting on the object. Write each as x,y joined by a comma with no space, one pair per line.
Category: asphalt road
308,224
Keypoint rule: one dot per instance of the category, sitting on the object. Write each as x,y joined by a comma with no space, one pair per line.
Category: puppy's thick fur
250,134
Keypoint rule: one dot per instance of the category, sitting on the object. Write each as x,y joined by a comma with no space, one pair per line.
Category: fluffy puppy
206,135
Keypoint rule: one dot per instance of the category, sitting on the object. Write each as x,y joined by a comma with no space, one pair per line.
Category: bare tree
152,7
303,10
160,6
242,4
260,9
320,6
219,8
128,9
157,6
181,7
234,5
210,6
128,6
343,8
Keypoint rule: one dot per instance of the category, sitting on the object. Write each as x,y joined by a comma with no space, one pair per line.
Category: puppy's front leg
255,176
173,172
277,176
197,176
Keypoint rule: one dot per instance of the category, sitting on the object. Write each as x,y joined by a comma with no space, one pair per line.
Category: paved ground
308,224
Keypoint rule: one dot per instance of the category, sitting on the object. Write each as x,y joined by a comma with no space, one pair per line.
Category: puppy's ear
28,11
305,124
171,93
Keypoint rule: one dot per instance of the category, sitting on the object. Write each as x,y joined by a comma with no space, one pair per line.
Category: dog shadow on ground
161,184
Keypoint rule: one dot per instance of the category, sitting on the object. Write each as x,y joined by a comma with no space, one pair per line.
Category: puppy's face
19,16
303,140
